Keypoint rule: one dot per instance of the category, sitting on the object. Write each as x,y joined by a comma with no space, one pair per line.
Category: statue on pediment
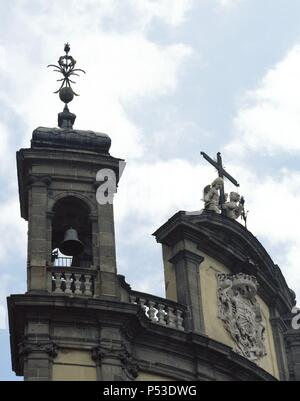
234,208
211,195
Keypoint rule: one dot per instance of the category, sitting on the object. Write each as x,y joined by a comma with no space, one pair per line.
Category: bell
71,245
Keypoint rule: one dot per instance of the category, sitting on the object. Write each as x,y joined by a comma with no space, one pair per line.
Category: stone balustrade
62,262
159,310
67,261
72,281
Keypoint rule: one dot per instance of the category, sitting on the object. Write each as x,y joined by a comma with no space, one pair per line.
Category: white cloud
82,16
4,150
149,193
172,12
2,317
274,204
3,63
228,3
152,283
135,69
268,121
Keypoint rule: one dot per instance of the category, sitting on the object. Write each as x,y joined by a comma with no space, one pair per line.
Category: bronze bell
71,245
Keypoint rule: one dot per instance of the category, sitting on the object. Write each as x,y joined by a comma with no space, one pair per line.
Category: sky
165,79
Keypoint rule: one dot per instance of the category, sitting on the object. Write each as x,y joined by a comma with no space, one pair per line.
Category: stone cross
222,173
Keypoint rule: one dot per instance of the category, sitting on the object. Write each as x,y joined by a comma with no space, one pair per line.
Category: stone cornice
53,155
156,338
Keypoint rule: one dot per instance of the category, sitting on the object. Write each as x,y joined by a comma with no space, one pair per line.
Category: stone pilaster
188,289
292,338
37,233
107,251
37,359
279,328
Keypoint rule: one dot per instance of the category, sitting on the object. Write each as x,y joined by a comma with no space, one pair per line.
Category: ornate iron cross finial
66,67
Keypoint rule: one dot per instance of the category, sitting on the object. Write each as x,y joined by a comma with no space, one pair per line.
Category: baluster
68,282
132,299
152,311
142,303
179,319
78,284
88,285
171,317
53,282
58,283
161,315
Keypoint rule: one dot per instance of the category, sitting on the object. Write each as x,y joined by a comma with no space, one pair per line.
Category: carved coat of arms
241,314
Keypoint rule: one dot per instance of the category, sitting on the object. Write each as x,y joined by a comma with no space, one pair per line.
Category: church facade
227,314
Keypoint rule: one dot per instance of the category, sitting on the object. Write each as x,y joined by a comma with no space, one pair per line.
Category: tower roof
66,137
70,138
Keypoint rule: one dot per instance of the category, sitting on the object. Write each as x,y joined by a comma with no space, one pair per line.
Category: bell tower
71,243
67,227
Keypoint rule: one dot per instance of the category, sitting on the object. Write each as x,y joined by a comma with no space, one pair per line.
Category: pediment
229,242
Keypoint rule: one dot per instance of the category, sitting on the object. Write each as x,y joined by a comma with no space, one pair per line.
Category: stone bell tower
71,245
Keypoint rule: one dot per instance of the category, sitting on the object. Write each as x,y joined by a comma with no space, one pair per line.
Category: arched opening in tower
71,234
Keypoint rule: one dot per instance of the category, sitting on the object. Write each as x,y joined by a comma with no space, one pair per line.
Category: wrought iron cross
222,173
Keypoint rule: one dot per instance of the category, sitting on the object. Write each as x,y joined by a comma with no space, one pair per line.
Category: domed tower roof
66,137
69,138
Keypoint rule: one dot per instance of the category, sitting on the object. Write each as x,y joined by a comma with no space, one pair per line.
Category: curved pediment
229,242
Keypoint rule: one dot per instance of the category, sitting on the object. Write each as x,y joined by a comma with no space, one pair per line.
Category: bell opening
71,233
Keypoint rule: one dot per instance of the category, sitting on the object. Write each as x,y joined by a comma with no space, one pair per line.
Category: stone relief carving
28,347
38,179
120,352
241,314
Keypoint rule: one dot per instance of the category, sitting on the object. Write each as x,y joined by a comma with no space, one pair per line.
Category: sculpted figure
211,195
235,206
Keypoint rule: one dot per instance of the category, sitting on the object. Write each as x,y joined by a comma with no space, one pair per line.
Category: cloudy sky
165,79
